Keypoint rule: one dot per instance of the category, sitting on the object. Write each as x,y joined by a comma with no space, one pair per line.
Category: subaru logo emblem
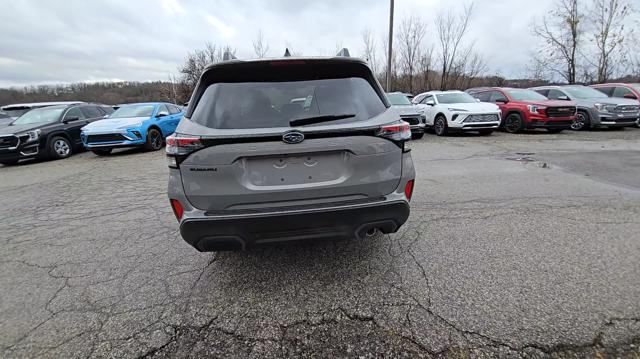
293,137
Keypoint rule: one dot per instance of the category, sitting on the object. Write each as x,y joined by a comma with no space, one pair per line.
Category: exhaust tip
371,232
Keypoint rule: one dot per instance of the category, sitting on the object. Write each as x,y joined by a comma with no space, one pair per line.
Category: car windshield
455,97
274,104
636,87
584,92
398,99
40,115
133,111
525,95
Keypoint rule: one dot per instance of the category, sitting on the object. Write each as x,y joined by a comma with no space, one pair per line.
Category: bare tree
370,49
260,48
451,29
561,31
474,66
412,31
425,69
609,17
195,63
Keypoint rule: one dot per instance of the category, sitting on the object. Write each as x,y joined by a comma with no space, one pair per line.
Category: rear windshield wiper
319,119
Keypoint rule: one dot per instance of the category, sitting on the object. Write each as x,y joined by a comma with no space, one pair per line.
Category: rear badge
293,137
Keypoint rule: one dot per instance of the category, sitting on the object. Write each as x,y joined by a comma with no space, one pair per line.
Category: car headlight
532,108
456,109
599,106
33,135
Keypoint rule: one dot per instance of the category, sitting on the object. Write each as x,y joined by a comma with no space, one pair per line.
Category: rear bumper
239,232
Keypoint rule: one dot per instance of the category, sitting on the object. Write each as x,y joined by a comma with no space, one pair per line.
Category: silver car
252,164
409,113
595,109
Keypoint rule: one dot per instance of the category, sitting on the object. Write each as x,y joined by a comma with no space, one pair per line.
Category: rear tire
513,123
485,132
417,135
59,148
154,140
440,126
102,152
582,122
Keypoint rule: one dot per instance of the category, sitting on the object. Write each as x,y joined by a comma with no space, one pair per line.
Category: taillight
179,146
177,208
408,189
399,131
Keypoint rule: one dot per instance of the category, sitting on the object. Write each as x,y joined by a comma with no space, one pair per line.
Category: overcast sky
56,41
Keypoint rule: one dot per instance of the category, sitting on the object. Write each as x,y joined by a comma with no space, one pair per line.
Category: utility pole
390,47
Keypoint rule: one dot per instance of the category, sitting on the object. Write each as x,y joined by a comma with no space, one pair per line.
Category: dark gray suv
288,149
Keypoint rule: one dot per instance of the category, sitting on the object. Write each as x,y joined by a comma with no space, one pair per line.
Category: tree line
580,41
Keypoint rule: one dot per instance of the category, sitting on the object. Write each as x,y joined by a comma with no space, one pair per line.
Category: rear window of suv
244,105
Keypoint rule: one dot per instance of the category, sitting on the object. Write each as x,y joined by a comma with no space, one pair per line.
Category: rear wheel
417,135
555,130
513,123
581,122
440,126
485,132
102,152
59,148
154,140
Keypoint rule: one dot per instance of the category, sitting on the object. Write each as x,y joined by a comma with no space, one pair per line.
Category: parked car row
553,108
57,130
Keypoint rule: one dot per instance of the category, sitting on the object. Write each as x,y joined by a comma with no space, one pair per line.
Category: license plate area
298,169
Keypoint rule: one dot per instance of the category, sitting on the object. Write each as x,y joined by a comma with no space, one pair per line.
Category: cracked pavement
500,258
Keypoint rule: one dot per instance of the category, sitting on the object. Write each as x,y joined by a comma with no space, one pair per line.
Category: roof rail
228,55
287,53
343,53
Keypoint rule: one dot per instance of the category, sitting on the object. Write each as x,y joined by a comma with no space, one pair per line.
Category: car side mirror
630,96
162,114
478,100
71,119
502,100
563,98
430,103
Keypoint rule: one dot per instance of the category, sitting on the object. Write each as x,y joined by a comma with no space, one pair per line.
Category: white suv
449,111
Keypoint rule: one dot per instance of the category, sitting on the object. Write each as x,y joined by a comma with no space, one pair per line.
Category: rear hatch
289,133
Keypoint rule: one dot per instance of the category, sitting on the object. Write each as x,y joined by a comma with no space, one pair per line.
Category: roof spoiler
343,53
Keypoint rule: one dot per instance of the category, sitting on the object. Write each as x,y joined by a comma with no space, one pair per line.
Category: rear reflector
408,189
399,131
177,208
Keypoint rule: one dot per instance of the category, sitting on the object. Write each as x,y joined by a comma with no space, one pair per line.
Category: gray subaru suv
288,149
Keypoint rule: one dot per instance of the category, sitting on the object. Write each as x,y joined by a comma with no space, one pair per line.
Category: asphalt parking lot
517,245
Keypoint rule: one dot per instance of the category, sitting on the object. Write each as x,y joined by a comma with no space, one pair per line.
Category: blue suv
132,125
